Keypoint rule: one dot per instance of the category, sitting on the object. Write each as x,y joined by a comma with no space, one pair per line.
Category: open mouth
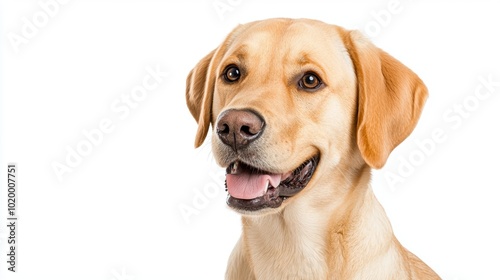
252,189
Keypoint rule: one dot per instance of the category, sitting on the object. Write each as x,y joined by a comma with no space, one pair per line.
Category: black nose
238,128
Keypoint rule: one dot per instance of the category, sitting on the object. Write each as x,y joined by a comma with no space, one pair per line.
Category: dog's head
290,99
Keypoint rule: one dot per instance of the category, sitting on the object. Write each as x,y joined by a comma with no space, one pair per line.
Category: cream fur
335,228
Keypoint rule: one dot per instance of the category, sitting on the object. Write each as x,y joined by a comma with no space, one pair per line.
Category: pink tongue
250,186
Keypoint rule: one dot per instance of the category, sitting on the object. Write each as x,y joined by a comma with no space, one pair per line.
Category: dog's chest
288,262
287,253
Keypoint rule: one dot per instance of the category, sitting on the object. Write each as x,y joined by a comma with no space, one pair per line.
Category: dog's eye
231,74
309,81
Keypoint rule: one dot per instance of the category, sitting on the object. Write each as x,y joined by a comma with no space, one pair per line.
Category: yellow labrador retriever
300,112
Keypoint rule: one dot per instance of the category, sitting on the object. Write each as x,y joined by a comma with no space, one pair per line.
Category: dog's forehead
290,36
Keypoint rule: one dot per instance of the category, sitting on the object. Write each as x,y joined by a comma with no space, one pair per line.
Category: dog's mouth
252,189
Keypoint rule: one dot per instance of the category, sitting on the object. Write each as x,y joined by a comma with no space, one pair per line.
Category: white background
117,214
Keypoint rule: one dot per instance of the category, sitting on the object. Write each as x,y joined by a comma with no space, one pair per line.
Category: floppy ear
200,86
199,95
390,99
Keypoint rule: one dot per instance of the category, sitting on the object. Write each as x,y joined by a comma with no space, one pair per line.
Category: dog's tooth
234,167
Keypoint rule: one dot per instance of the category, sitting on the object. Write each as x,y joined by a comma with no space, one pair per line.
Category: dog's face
289,101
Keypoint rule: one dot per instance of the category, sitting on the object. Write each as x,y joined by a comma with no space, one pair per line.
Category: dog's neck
343,218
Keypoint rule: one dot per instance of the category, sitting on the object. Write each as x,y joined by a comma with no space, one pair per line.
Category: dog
300,112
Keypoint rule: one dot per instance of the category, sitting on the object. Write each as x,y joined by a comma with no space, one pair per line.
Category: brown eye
309,81
231,74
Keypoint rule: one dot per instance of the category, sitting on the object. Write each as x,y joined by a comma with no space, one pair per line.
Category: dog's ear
200,86
199,95
390,99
